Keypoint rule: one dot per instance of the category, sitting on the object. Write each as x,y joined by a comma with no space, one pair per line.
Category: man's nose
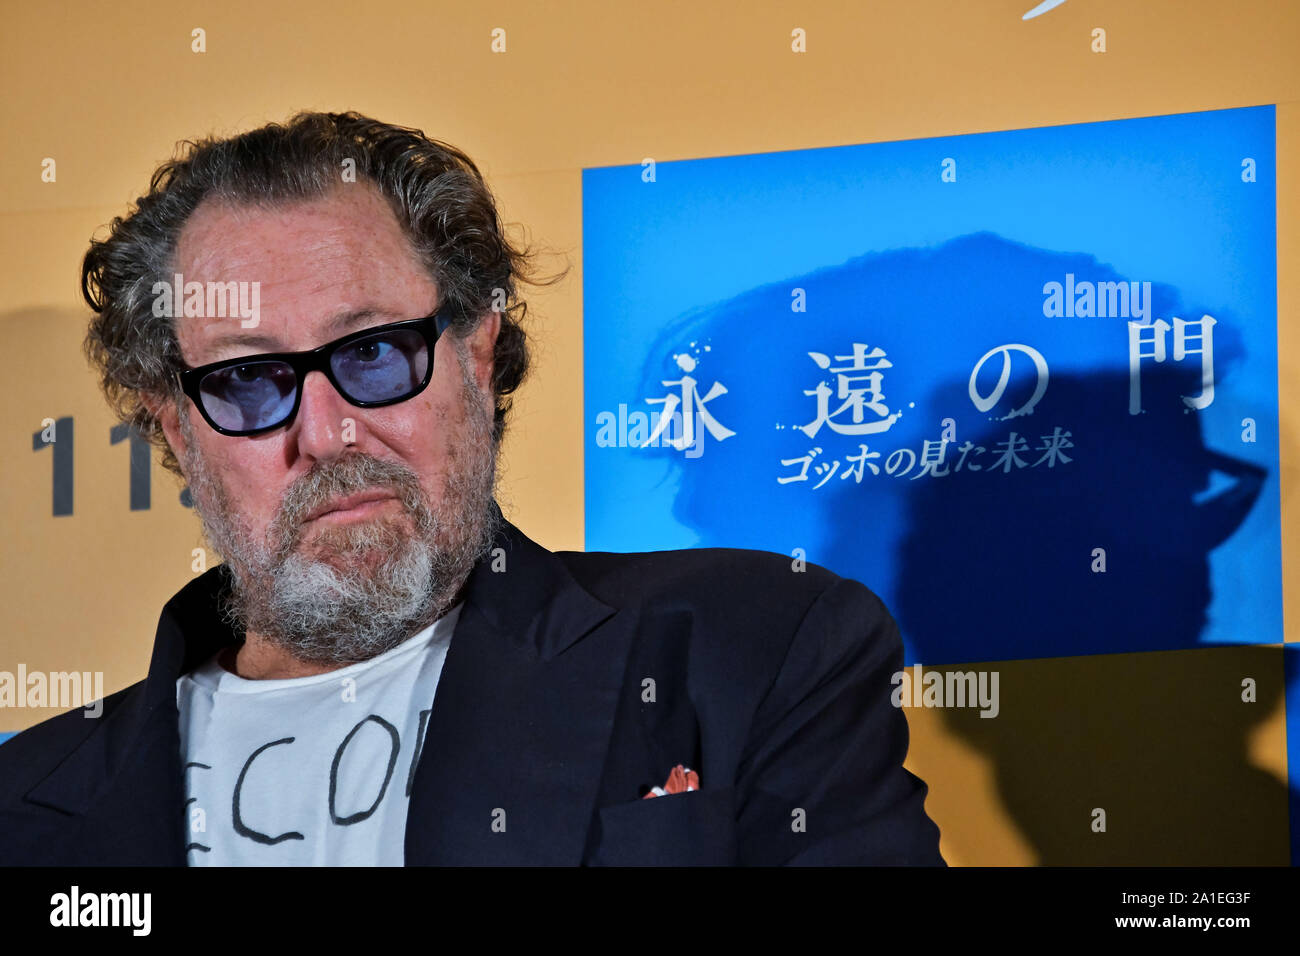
320,419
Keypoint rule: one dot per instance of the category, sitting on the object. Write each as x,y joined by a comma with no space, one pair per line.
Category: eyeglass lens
383,367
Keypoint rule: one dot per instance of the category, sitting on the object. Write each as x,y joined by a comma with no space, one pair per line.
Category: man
384,671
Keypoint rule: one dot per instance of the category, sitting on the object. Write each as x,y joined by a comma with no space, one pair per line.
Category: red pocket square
679,781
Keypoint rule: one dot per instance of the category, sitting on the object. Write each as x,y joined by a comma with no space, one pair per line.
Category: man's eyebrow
338,325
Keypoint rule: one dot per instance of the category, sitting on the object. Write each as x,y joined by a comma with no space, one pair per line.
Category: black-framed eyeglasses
382,365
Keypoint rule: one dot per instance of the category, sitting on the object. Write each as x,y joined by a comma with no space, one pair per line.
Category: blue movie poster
1023,385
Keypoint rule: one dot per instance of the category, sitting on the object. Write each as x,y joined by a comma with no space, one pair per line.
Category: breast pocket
696,828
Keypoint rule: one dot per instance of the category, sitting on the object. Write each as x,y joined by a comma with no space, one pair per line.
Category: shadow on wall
96,537
1160,742
982,566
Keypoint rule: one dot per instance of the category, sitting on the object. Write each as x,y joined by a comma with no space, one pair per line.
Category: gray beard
393,582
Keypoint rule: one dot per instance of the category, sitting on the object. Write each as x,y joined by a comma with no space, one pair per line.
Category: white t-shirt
308,771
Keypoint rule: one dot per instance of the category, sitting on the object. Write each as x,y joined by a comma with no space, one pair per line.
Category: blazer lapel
521,721
125,780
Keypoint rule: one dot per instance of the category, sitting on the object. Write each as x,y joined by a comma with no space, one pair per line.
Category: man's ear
482,348
164,409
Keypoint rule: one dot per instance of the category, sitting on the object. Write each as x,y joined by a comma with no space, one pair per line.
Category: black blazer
772,683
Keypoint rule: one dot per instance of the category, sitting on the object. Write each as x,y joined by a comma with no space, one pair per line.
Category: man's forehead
348,229
280,338
323,267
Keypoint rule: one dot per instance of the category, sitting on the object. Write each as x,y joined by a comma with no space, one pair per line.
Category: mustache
352,474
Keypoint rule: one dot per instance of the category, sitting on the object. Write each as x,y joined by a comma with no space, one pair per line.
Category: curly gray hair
437,193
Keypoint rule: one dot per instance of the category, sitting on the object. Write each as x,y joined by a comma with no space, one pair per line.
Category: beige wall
106,90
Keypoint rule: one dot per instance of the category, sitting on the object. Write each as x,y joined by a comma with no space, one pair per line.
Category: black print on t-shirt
244,831
419,746
196,846
395,745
